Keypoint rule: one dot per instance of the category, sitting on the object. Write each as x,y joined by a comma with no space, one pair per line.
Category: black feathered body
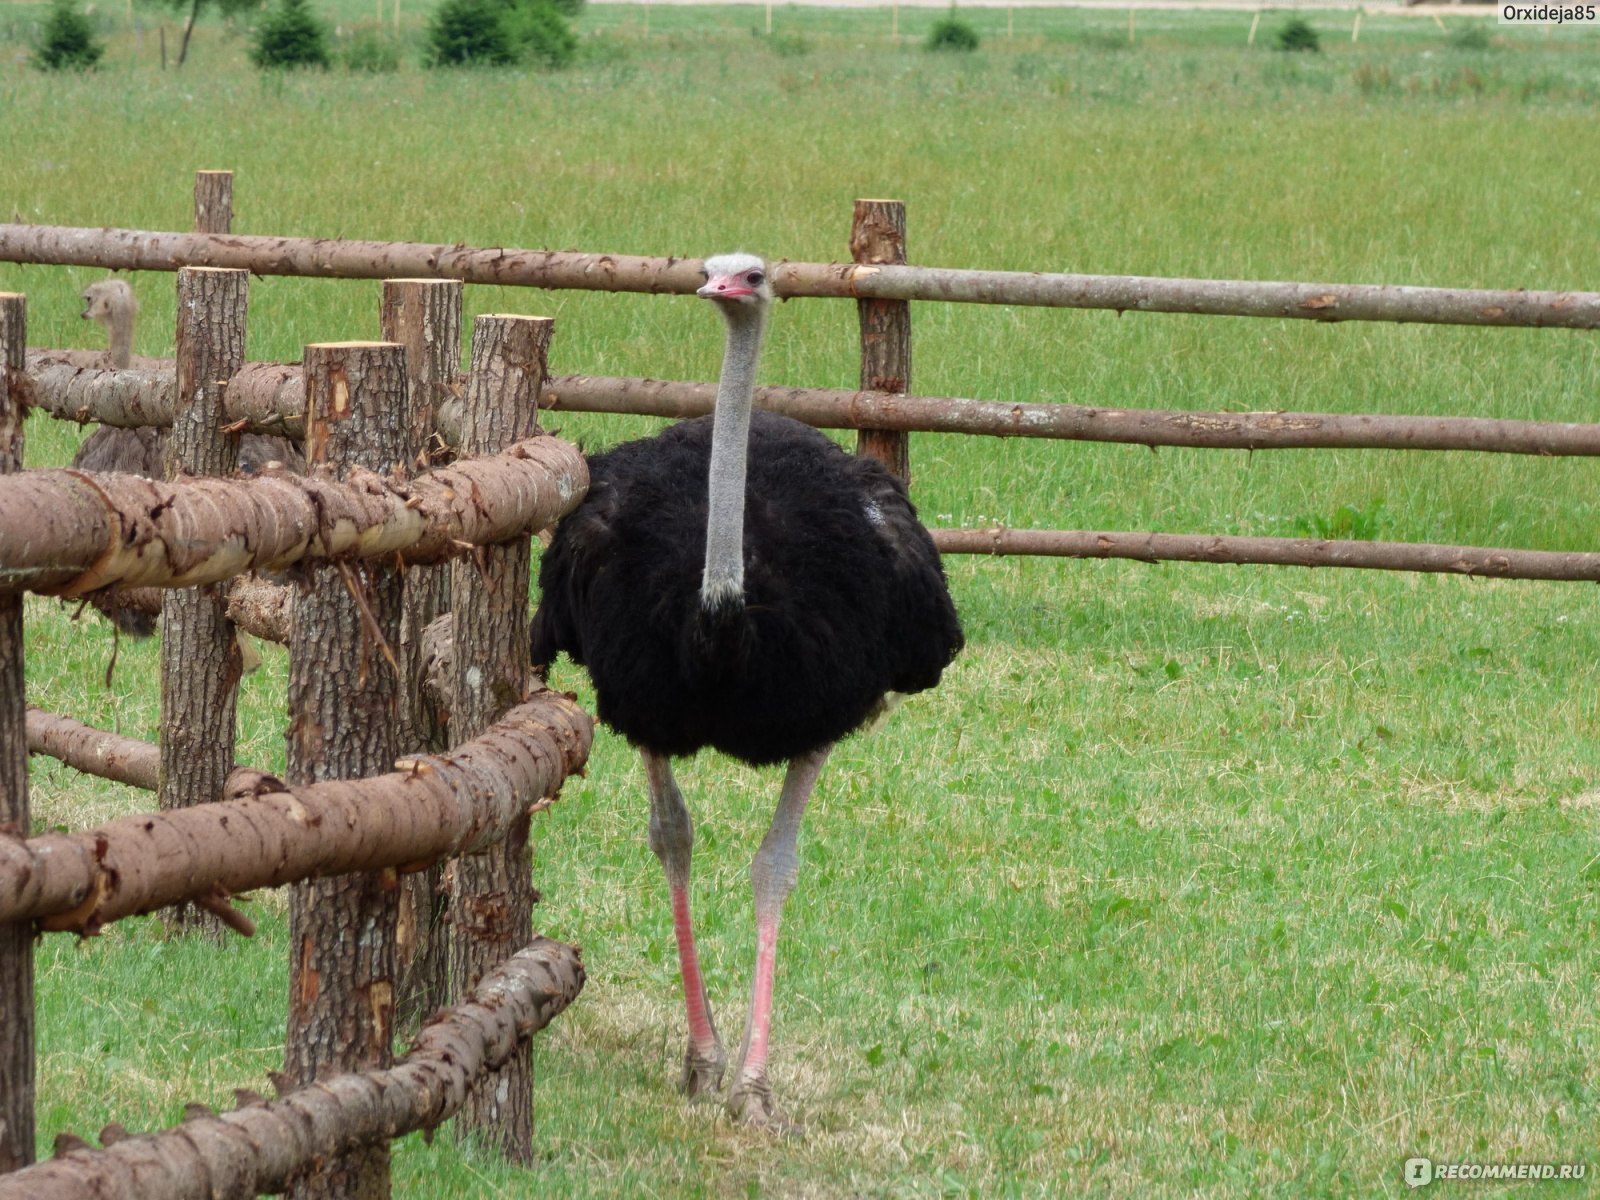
844,596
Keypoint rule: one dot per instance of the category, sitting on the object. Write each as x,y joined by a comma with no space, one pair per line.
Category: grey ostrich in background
740,582
143,450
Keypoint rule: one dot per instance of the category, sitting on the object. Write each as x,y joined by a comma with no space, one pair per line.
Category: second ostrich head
737,284
111,302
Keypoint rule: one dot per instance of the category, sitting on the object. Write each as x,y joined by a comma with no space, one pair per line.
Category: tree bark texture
878,236
213,201
200,658
493,895
263,1145
16,938
344,701
90,531
266,834
110,397
1283,552
424,316
144,250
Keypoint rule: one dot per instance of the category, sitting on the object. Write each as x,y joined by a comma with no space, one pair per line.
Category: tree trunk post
877,236
213,201
200,656
493,895
344,705
424,316
16,938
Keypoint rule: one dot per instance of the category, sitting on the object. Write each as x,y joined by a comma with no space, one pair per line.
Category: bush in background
540,34
290,36
1298,35
499,33
67,41
952,33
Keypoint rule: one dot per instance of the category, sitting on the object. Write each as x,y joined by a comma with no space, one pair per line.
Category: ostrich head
111,302
736,282
108,301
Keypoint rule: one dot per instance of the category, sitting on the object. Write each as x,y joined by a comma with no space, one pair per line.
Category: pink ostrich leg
772,876
672,839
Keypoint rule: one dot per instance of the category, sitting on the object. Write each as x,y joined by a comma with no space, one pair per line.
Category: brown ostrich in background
143,451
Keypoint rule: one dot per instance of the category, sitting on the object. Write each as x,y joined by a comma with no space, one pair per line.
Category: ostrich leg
772,877
672,839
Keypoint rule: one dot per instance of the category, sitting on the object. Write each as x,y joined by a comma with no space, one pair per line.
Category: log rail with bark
264,1145
89,531
270,398
431,807
145,250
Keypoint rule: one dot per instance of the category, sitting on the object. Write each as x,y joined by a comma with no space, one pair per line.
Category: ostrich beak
725,287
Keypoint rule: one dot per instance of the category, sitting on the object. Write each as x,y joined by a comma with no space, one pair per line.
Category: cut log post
344,700
16,938
200,655
424,316
877,236
213,201
261,1146
493,895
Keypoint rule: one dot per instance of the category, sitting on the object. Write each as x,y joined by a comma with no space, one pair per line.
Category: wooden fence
136,534
374,790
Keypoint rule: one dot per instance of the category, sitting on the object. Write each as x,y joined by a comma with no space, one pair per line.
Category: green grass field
1189,880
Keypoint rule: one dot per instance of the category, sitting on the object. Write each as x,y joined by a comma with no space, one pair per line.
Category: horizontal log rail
145,250
261,1146
86,531
432,807
270,398
1289,552
96,752
839,408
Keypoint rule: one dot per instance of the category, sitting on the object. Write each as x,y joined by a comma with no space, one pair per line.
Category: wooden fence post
878,235
344,705
16,938
200,656
213,201
424,316
493,896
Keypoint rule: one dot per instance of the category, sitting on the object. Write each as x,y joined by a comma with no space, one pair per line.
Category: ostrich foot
750,1102
702,1072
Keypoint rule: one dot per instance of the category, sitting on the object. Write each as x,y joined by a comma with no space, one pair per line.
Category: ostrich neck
120,327
722,584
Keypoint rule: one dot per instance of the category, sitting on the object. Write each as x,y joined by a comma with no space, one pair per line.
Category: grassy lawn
1189,879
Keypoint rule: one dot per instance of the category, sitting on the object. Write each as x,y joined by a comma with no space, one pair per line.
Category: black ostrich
739,581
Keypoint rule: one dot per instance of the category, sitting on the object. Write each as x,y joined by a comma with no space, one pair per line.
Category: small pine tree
469,33
1298,35
952,33
67,41
541,34
290,36
500,33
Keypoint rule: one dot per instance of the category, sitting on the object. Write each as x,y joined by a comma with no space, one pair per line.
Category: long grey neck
120,328
722,584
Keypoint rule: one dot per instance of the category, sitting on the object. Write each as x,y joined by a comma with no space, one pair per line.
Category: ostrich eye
754,278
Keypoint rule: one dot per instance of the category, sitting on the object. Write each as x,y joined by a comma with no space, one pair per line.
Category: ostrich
143,450
740,582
